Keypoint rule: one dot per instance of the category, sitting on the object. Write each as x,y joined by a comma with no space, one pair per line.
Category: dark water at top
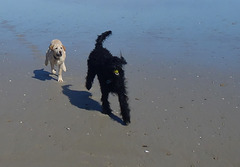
206,31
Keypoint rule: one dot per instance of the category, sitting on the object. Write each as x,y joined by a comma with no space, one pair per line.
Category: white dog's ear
64,47
51,47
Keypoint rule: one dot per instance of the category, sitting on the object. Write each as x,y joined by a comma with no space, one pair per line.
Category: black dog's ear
118,60
123,61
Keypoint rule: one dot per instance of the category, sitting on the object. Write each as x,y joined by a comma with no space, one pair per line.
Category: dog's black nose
60,52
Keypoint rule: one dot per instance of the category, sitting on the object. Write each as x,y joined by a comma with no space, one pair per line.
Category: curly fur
110,73
56,55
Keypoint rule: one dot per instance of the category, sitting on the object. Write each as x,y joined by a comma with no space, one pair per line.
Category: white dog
56,55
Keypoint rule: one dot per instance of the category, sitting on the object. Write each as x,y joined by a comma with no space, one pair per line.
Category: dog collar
116,72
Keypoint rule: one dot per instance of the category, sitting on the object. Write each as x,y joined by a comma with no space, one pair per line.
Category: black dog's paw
107,111
88,85
126,120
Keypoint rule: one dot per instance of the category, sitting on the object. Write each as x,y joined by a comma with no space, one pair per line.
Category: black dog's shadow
81,99
43,75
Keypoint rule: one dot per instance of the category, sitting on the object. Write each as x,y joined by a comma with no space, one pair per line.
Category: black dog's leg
125,111
105,103
89,79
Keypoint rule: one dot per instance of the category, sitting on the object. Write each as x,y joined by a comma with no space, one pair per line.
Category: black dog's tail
102,37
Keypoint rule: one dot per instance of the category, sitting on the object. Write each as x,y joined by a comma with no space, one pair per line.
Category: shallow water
205,32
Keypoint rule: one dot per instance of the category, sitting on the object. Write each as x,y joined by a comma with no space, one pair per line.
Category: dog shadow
82,100
43,75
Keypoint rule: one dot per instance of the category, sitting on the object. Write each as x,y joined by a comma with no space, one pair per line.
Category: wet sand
183,83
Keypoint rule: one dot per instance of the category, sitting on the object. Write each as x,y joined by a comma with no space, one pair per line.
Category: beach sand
183,80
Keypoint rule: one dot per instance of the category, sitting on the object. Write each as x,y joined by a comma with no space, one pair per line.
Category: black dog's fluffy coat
110,73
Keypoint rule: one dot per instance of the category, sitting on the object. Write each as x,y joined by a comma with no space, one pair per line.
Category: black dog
110,73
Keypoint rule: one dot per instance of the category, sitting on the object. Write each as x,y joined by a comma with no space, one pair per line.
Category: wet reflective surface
183,81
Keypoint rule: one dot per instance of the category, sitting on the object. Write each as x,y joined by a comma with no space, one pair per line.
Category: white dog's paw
60,79
54,71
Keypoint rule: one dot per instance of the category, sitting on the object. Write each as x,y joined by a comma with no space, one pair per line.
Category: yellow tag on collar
116,72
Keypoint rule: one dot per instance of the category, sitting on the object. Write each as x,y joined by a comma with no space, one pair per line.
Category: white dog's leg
64,67
47,57
46,60
52,68
60,73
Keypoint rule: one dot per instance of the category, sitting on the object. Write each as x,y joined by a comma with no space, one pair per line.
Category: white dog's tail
102,37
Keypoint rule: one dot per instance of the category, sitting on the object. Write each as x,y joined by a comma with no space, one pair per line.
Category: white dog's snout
59,54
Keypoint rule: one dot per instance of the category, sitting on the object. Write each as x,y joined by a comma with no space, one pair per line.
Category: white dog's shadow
82,99
43,75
